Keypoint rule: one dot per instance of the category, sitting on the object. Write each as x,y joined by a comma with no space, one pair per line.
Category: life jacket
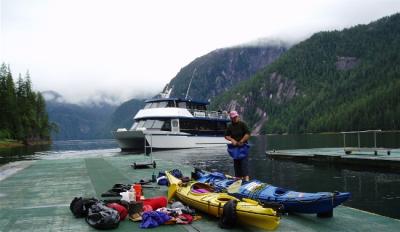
177,173
229,216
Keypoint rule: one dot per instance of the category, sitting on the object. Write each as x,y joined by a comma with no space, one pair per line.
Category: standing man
238,134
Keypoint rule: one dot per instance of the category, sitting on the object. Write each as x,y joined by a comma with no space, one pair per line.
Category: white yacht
173,123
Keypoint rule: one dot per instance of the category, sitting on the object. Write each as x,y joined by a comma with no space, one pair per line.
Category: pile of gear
162,179
131,204
97,213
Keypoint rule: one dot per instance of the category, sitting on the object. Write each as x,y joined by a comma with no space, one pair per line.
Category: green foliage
73,121
333,81
23,115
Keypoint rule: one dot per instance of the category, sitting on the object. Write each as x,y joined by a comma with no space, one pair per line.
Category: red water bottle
138,191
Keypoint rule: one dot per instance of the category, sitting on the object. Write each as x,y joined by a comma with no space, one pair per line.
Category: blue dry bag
238,152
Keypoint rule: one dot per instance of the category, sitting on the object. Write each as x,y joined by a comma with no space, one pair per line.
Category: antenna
190,83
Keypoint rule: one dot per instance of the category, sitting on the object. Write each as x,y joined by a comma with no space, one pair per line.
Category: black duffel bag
80,206
229,215
101,217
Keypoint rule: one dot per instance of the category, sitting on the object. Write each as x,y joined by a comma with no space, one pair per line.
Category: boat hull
130,140
182,141
136,140
248,212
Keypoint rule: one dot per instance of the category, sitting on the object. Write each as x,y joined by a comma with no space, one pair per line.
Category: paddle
234,187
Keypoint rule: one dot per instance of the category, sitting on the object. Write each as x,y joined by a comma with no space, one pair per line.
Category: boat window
158,124
134,126
141,124
149,124
166,126
147,106
182,105
201,107
171,104
163,104
155,105
188,125
202,126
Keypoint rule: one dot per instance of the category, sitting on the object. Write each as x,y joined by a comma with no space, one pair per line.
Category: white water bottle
132,194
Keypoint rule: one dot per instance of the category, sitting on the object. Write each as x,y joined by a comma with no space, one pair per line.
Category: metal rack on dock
359,148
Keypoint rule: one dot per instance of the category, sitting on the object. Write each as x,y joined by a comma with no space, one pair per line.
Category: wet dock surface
37,198
337,155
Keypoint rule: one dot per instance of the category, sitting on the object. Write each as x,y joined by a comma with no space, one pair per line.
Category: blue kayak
321,203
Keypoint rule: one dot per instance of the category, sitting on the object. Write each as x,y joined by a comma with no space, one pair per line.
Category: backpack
80,206
229,216
101,217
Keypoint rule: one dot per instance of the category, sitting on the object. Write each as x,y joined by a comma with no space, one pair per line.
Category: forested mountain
23,113
211,75
220,70
334,81
89,121
77,121
122,117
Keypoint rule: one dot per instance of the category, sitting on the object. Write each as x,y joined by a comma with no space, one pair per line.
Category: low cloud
120,49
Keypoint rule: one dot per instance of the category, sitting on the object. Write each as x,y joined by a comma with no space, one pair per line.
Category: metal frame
375,149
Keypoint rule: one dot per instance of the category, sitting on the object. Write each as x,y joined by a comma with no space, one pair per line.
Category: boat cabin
200,122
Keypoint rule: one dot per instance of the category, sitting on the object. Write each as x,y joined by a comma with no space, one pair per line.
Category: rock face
220,70
281,89
276,89
346,63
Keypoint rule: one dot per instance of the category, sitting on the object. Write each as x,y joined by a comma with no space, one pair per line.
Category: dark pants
241,167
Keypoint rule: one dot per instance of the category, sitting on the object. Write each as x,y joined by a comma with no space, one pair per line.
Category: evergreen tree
11,112
3,93
42,121
23,113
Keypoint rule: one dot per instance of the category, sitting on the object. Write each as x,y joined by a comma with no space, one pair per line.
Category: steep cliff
333,81
220,70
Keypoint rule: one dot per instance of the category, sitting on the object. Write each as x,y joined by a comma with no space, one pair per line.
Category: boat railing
209,114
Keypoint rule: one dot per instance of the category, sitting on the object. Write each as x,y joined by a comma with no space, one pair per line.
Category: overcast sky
126,48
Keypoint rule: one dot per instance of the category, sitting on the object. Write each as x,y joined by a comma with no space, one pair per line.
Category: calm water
374,191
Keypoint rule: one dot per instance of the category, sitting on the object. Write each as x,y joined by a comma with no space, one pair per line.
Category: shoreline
10,143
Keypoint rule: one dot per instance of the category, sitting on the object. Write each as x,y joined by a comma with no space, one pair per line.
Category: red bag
122,211
156,202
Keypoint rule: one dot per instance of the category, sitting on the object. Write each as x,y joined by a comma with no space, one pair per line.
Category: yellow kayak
202,197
